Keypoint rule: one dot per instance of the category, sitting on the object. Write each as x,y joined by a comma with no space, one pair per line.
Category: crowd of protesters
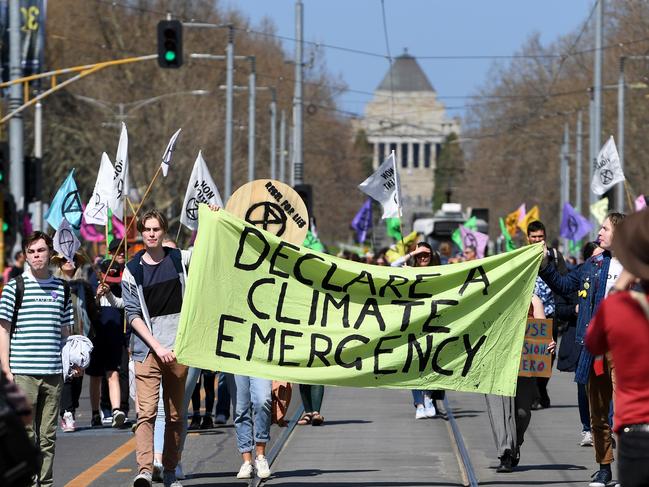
129,312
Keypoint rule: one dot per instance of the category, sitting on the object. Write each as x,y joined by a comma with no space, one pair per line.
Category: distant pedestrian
620,329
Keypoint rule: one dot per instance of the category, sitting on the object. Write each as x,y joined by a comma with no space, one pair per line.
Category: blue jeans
584,410
254,404
159,427
225,394
418,396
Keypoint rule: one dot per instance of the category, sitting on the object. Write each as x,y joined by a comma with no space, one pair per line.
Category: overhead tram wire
378,55
390,60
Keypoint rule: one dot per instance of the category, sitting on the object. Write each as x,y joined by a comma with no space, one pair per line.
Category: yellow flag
532,215
599,210
400,249
511,220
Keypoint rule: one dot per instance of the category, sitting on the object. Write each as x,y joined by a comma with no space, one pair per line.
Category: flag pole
396,182
128,227
627,190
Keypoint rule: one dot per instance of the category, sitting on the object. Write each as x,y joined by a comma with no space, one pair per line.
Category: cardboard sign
536,361
271,206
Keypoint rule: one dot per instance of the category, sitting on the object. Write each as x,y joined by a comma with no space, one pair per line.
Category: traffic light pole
16,146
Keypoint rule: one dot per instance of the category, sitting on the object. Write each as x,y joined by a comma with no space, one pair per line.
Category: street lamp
121,111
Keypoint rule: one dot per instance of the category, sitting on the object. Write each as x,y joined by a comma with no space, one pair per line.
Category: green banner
256,305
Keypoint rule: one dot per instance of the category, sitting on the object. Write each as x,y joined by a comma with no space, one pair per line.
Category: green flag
312,242
258,306
471,224
393,228
509,244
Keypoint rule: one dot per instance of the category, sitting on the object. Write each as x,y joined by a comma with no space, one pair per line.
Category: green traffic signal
170,56
5,226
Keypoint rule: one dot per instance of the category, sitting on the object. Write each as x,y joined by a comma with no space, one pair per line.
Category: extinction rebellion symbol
573,226
470,241
267,214
606,176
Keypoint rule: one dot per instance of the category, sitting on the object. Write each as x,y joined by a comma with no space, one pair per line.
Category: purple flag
362,222
472,238
573,225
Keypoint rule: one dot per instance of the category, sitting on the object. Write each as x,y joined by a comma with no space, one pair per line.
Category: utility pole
37,214
578,162
565,175
619,189
597,93
229,101
282,147
16,143
592,154
273,134
252,81
298,111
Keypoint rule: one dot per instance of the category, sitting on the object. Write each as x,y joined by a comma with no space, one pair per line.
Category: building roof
405,74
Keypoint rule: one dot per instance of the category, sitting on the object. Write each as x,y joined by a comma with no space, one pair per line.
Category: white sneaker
420,413
245,472
106,418
118,419
429,407
586,439
68,424
180,475
262,468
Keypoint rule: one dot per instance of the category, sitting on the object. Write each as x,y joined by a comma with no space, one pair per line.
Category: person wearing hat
620,329
592,282
106,359
86,318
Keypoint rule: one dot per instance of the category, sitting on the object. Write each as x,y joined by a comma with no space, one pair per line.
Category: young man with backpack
36,317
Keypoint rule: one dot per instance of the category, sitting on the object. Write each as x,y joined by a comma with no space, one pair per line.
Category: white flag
66,242
169,151
120,175
201,189
96,212
384,186
608,171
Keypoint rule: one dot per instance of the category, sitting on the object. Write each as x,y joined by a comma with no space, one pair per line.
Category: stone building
405,116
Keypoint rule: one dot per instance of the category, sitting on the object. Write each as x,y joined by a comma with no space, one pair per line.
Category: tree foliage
77,132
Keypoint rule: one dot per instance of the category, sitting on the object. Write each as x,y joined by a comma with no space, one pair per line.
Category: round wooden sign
271,206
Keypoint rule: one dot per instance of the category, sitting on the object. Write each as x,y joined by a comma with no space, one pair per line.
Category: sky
425,28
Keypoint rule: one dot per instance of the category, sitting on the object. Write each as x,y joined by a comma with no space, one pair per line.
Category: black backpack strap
18,300
66,293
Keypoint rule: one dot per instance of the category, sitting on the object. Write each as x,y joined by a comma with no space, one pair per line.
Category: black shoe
505,463
195,423
545,402
601,478
517,457
536,405
207,422
95,422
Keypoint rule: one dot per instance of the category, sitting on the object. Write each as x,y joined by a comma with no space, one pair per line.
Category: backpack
20,292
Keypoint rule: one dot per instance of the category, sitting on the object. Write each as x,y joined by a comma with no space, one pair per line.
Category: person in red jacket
620,329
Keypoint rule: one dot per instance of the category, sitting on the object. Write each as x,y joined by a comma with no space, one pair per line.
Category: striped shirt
35,346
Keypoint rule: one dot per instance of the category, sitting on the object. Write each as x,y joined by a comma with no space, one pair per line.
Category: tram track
467,472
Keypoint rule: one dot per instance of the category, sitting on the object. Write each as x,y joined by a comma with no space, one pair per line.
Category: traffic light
170,43
306,193
8,218
33,179
4,166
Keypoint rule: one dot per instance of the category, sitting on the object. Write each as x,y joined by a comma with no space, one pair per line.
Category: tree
448,171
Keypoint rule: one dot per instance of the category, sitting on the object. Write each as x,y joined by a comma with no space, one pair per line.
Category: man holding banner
152,289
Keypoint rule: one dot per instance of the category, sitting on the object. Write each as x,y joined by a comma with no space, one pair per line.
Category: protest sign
535,359
259,306
271,206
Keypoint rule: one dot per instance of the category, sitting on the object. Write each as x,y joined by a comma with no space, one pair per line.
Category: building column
375,159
